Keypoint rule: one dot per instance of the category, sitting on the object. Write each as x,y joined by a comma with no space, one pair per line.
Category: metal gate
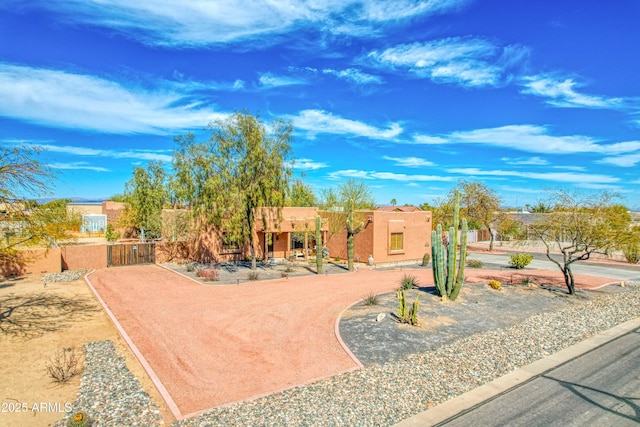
139,253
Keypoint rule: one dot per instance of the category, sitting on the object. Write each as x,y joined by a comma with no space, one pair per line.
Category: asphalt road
615,271
598,388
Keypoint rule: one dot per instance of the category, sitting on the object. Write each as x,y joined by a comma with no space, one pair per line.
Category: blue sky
411,96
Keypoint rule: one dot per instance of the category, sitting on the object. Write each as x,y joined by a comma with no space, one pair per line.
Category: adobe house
292,235
389,236
288,235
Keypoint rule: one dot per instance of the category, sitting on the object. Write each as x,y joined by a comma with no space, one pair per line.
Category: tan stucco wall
33,261
374,239
84,257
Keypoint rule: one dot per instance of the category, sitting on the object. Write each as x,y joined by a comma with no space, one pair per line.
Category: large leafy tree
243,167
300,194
146,195
580,226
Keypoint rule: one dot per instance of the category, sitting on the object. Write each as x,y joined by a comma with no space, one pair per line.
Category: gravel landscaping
379,394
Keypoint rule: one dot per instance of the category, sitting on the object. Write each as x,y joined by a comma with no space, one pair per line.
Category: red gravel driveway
211,345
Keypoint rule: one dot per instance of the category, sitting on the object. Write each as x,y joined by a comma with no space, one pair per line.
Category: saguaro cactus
351,232
448,271
318,244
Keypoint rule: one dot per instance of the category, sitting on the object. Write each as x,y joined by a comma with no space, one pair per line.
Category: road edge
466,401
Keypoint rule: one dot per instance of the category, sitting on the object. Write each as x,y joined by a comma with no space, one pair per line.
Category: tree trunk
569,280
254,266
350,251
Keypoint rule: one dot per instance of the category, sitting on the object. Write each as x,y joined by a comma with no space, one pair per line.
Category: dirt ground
35,322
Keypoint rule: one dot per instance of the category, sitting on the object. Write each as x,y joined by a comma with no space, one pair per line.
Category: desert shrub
370,299
211,274
408,281
336,259
474,263
111,234
192,266
253,275
426,258
64,364
526,280
495,284
631,253
284,274
520,260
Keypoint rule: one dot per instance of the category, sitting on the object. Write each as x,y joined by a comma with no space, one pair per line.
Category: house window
397,242
229,246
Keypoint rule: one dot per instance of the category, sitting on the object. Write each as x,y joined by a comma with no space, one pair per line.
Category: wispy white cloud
532,161
559,177
159,155
410,162
530,138
200,23
307,164
468,62
80,101
625,161
354,75
561,92
271,80
77,166
390,176
320,121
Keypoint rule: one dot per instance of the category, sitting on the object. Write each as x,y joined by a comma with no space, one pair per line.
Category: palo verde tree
25,222
146,195
340,209
243,167
300,195
579,226
480,204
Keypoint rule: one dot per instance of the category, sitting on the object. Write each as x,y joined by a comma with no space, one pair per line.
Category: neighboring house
97,215
391,208
389,237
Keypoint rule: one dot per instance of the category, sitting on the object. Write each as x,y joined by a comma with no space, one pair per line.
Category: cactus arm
451,260
463,260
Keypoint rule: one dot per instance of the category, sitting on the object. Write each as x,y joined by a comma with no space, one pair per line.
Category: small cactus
79,419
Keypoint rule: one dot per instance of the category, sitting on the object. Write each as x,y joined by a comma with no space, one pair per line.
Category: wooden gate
134,254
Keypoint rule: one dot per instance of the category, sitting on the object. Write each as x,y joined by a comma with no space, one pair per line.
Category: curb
477,396
145,365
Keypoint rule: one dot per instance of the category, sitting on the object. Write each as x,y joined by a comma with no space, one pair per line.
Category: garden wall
80,257
31,261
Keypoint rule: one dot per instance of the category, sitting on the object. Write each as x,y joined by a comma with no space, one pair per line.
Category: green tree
352,194
394,202
146,195
580,226
480,204
300,194
243,167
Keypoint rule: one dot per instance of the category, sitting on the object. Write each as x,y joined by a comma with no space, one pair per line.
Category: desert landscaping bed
379,394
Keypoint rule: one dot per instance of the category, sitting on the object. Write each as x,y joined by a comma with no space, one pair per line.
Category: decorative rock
380,317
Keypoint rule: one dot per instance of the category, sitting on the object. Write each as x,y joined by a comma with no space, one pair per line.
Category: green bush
495,284
631,253
408,282
426,258
520,260
474,263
